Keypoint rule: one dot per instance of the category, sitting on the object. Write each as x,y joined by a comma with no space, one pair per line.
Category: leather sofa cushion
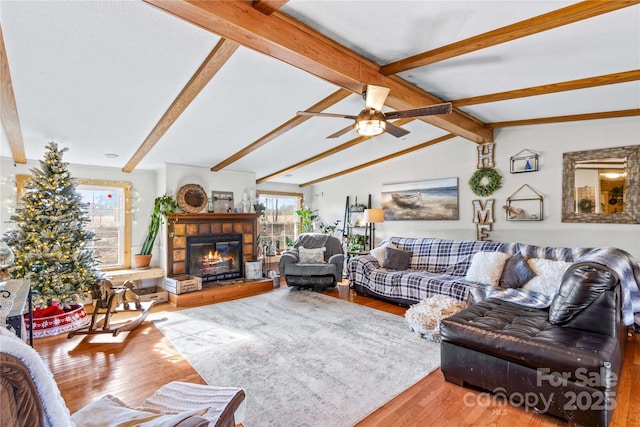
524,335
581,285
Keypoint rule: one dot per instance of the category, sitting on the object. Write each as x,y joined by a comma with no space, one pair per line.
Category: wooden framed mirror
601,186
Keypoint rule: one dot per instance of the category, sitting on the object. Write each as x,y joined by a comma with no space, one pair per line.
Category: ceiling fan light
370,127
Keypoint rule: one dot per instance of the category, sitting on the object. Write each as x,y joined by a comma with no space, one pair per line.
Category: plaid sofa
438,267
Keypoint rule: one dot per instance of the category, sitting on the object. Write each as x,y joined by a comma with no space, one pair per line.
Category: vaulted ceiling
217,84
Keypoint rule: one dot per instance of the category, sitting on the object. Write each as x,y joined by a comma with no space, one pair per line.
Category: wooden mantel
204,216
183,225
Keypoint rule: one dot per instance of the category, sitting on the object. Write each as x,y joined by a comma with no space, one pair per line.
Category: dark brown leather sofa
565,360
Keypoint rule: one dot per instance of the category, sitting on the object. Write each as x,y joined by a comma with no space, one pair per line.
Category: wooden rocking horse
109,300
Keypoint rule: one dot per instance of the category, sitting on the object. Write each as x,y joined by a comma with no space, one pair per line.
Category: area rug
303,358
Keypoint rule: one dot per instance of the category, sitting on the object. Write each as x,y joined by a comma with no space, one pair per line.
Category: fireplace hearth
215,256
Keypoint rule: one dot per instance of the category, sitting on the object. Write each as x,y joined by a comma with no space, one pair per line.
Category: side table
14,295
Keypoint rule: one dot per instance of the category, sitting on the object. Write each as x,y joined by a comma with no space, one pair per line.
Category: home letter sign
483,214
485,157
483,218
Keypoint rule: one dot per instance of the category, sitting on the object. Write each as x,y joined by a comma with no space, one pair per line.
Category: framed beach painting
435,199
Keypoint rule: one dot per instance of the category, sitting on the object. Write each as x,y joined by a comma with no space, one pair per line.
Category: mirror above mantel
602,186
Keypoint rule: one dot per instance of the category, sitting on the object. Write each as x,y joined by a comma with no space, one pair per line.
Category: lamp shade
373,215
370,127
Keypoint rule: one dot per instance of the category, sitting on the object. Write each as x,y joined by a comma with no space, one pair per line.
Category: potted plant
162,206
616,194
307,218
259,208
331,230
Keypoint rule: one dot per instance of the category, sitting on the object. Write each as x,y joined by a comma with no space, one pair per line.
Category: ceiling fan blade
341,132
396,131
424,111
376,95
340,116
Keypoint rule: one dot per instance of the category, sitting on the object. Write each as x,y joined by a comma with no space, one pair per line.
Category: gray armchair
317,274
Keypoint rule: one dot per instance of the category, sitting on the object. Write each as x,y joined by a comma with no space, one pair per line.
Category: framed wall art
435,199
222,201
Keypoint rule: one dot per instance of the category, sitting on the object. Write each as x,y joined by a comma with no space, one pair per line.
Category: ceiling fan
372,121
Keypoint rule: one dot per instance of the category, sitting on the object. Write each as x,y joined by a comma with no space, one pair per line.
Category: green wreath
585,205
485,181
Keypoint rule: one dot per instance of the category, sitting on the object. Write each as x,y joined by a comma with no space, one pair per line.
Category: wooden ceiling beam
627,76
296,44
268,6
325,154
9,109
327,102
381,159
413,94
209,68
547,21
568,118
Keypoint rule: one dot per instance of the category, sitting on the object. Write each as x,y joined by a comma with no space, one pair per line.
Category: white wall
458,157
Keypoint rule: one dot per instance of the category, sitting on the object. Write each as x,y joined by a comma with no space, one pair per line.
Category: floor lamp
371,216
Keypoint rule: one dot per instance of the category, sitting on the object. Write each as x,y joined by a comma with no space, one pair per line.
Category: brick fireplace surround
185,224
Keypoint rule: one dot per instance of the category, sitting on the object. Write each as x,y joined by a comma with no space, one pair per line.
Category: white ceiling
96,76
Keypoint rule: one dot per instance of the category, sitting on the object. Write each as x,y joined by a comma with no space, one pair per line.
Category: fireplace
215,256
185,227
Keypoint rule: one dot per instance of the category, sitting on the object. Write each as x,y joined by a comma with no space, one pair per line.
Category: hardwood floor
134,366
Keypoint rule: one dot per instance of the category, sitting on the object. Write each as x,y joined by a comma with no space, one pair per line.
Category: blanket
55,410
628,271
311,240
621,262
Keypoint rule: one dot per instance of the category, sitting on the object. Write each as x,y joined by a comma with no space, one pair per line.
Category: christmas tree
50,243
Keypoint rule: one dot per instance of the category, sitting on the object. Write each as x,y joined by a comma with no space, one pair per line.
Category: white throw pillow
549,275
486,267
311,256
379,252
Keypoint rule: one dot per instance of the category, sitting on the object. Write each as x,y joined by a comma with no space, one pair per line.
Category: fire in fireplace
215,256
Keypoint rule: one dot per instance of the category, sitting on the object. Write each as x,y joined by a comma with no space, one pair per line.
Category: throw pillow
548,275
581,285
516,272
379,252
396,259
486,267
111,411
460,268
311,256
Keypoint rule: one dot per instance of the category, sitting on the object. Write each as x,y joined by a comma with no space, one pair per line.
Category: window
108,208
278,226
109,211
